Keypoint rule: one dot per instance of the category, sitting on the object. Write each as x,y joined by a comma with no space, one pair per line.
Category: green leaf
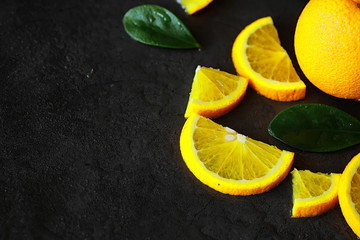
155,25
315,128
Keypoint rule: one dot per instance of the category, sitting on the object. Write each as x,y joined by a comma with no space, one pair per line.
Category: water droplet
229,130
241,138
151,19
135,22
165,18
219,82
229,137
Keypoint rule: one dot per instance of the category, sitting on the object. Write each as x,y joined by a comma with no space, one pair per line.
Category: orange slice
214,92
258,55
349,194
230,162
192,6
313,193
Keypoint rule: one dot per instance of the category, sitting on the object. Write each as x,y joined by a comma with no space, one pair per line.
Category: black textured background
90,122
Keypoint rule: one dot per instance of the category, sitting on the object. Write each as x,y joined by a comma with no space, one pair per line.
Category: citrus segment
258,55
349,194
327,46
192,6
215,92
230,162
313,193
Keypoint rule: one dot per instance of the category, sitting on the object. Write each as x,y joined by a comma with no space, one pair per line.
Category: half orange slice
258,55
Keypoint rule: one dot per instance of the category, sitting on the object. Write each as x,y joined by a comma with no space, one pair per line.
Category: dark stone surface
90,122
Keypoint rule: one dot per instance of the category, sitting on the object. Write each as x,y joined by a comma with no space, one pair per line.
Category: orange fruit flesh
230,162
349,194
214,92
193,6
258,55
355,190
314,193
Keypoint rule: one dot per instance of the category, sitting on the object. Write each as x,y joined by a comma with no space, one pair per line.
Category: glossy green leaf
155,25
315,128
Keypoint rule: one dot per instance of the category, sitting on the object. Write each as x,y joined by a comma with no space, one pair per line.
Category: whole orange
327,46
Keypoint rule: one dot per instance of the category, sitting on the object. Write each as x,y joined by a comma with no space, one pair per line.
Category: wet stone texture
90,122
